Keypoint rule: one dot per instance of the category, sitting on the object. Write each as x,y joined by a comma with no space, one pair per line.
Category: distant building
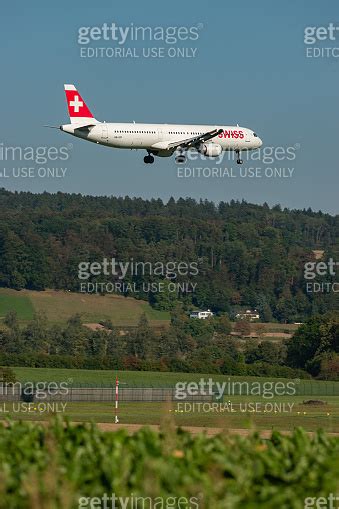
202,315
249,314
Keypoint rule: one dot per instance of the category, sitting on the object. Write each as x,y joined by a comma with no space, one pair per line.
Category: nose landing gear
239,161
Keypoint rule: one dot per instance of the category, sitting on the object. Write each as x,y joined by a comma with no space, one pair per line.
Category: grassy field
59,306
288,414
13,301
104,378
245,412
131,378
281,327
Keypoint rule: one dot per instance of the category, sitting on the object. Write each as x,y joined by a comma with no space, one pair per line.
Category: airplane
160,140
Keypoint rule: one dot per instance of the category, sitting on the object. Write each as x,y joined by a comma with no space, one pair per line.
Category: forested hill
248,255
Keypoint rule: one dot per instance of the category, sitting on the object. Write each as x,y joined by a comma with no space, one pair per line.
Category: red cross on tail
78,110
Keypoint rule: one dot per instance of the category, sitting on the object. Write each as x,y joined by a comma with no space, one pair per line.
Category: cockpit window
255,135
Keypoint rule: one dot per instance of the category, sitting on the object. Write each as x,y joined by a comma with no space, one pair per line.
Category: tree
142,344
74,340
329,367
303,345
36,333
7,376
223,325
317,336
164,299
285,310
247,254
11,320
266,351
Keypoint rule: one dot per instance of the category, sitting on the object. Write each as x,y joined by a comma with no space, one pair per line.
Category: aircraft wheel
149,159
180,159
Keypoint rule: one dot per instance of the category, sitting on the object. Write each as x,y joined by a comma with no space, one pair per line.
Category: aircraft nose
259,142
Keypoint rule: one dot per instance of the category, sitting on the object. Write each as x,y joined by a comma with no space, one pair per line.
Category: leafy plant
52,467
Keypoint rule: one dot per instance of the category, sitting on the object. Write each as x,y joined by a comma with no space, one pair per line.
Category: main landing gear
239,161
180,157
149,159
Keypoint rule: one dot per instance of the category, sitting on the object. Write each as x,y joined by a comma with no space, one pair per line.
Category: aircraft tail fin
78,110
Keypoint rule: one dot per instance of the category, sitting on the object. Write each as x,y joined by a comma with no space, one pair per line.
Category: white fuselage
155,137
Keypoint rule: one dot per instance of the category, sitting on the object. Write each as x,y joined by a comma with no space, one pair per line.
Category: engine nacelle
210,149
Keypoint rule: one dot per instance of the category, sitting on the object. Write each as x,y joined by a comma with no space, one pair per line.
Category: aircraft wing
192,142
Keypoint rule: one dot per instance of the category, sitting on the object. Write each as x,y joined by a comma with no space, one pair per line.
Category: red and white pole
116,399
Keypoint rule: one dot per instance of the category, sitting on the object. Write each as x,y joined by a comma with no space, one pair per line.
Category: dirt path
132,428
195,430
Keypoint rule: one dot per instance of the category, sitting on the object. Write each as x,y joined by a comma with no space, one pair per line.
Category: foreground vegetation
60,466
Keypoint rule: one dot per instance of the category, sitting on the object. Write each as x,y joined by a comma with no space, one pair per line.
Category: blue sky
250,68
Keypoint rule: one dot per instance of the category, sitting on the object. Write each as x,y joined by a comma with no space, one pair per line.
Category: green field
98,377
154,378
13,301
290,413
59,306
270,412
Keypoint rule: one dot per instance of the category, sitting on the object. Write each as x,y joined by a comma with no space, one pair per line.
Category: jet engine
210,149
